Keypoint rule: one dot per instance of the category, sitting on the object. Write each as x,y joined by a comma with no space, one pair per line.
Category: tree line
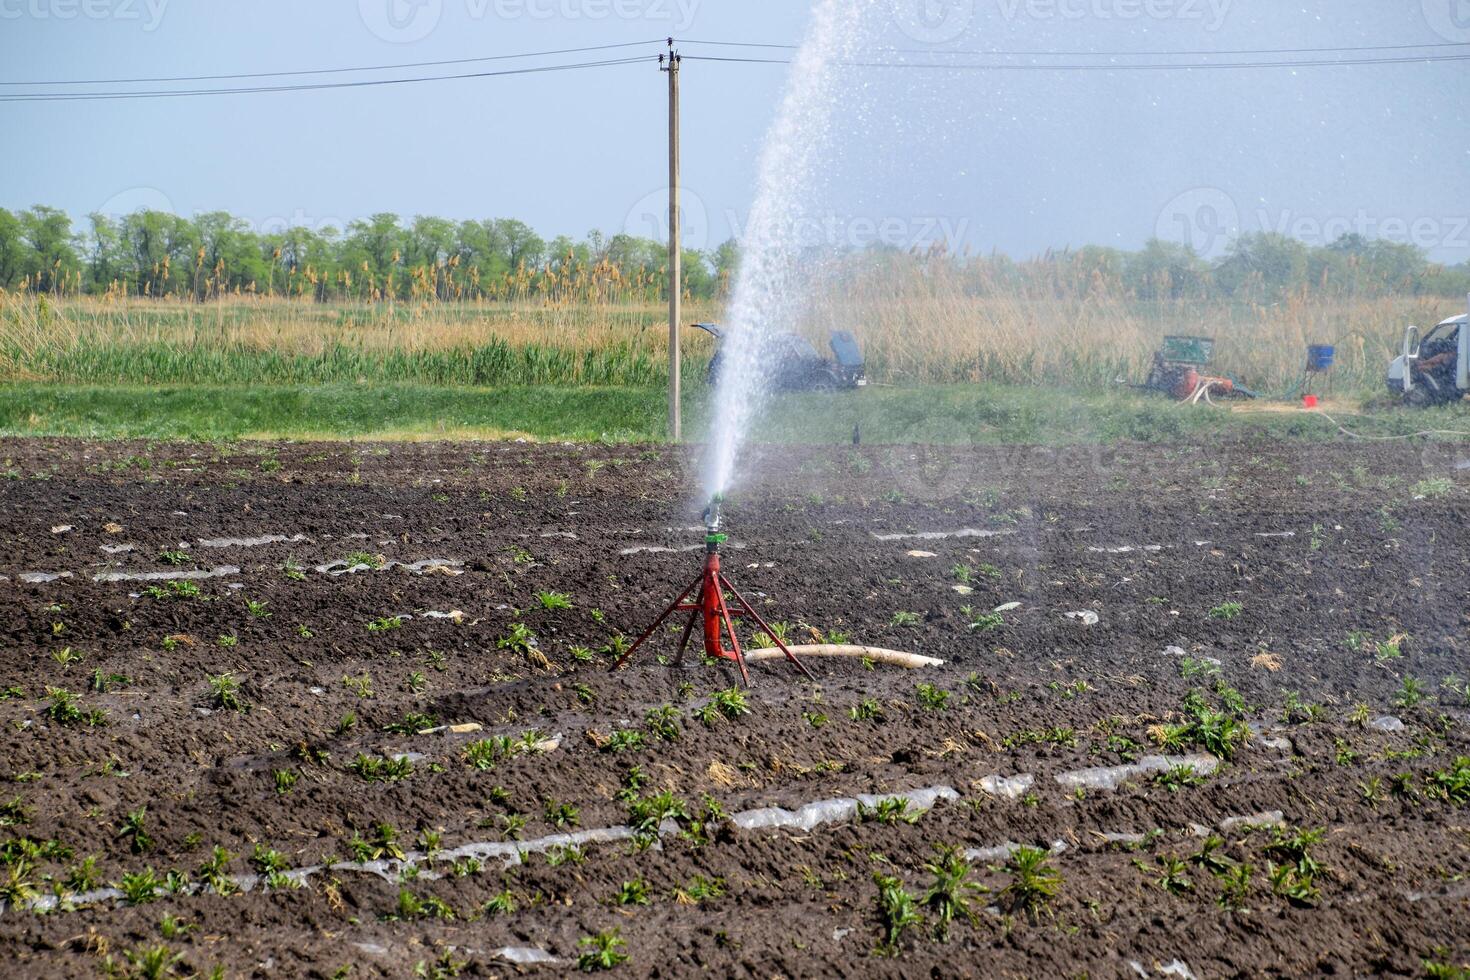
214,254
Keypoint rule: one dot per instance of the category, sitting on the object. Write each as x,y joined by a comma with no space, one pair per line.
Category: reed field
920,325
958,348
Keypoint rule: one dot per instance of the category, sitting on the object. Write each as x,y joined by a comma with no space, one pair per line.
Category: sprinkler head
712,513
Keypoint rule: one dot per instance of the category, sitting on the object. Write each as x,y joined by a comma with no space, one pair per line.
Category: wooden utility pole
676,278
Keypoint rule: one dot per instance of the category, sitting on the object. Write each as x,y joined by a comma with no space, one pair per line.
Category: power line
729,44
1103,54
338,71
307,86
1340,62
539,69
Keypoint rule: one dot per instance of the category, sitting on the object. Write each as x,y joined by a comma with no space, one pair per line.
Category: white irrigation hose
1372,438
894,658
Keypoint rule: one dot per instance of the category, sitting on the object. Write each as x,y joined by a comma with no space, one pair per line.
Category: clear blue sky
1017,161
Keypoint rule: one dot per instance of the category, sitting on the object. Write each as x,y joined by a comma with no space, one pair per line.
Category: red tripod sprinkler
709,605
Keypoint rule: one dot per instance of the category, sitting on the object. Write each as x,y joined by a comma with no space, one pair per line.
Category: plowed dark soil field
345,710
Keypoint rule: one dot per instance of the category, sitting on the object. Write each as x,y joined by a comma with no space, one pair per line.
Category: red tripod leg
734,640
673,606
750,611
689,626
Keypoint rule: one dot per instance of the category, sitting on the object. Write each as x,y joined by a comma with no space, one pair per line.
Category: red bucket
1309,401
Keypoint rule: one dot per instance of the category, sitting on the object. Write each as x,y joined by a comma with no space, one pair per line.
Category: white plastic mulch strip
964,532
254,542
514,852
171,576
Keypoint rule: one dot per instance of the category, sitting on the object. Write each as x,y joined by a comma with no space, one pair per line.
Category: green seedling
1235,887
411,724
139,887
623,740
633,892
224,692
64,708
932,698
1177,777
1411,693
563,815
602,951
133,829
1226,610
214,874
889,810
984,622
66,656
431,842
897,912
700,889
952,892
663,722
730,702
520,639
285,780
1046,736
1034,883
1173,875
646,814
374,769
501,903
411,907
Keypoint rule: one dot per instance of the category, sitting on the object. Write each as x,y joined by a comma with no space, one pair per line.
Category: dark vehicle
795,364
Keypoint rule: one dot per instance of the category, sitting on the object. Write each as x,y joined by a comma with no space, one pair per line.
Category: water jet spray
710,606
769,295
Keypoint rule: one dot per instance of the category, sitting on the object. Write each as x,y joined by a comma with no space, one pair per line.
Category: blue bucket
1319,357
